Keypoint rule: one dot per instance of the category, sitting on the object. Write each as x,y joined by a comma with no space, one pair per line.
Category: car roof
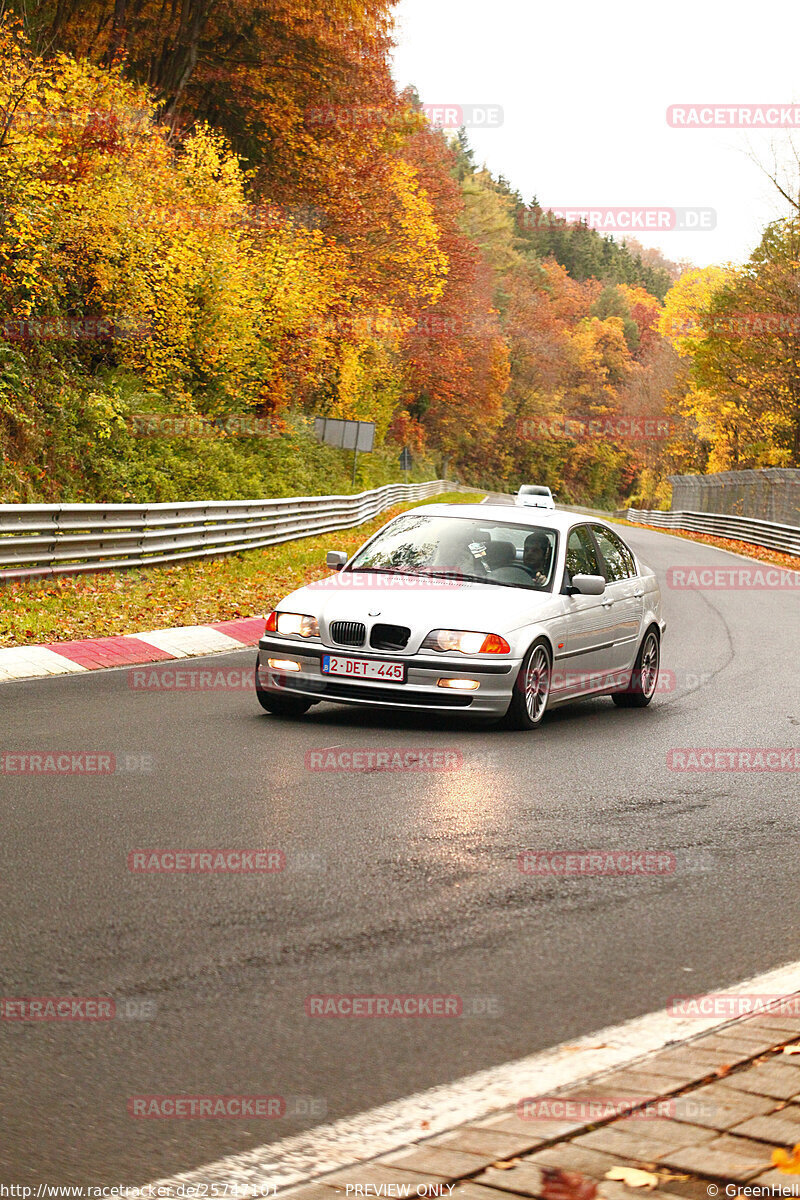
512,514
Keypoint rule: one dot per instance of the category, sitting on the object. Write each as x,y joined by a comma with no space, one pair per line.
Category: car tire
644,676
531,689
281,706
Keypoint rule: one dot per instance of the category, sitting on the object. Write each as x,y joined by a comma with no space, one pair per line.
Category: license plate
364,668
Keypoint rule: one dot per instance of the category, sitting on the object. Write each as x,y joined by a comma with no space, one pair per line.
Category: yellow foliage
684,320
602,354
205,294
417,258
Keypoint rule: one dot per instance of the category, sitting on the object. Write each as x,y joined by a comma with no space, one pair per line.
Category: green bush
68,436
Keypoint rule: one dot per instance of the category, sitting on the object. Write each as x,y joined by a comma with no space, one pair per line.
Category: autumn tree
749,362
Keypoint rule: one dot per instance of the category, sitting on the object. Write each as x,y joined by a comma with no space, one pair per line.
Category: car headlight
292,624
466,642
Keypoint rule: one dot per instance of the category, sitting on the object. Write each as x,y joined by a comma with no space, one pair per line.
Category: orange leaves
787,1161
321,307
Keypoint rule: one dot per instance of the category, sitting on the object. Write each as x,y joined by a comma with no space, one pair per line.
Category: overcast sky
585,89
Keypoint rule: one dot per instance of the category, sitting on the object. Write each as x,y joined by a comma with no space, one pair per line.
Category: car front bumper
421,689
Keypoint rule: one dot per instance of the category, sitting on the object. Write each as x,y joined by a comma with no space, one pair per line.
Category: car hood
418,603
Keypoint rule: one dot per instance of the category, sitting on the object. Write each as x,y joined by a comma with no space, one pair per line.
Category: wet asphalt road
395,882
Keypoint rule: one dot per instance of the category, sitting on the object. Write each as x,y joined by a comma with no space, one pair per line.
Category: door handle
639,594
607,603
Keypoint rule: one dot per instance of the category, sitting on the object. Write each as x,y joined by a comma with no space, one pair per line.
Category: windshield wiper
383,571
458,575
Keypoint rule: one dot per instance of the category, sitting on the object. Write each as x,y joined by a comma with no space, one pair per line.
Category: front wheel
644,676
281,706
531,689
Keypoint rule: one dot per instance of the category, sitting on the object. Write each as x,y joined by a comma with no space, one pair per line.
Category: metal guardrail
67,539
772,536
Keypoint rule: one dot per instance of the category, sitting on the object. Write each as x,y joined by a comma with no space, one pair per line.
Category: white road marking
30,662
391,1126
188,640
26,662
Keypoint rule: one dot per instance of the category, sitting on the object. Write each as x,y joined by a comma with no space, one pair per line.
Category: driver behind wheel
536,557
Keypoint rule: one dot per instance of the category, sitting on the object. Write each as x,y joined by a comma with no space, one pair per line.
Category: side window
617,556
581,556
631,561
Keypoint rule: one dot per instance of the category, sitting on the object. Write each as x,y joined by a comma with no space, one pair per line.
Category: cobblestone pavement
698,1119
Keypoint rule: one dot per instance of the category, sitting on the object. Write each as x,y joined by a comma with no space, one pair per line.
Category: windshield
531,490
492,552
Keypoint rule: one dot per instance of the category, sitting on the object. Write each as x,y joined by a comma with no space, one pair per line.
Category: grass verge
194,592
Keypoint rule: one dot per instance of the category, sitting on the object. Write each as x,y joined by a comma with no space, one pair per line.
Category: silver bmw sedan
488,610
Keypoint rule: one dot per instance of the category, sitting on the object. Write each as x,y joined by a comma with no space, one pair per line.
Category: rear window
618,558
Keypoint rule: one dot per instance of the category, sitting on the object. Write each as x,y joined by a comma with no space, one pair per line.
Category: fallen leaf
566,1185
507,1164
633,1178
786,1162
795,1049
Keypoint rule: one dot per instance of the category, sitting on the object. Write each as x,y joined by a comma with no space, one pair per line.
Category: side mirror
588,585
335,558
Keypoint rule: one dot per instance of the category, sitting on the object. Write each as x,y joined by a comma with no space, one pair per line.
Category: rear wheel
281,706
644,676
531,689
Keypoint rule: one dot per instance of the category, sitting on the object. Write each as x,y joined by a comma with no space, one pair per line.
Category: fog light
283,664
460,685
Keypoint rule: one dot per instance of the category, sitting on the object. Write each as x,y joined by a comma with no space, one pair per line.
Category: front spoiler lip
417,661
464,705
